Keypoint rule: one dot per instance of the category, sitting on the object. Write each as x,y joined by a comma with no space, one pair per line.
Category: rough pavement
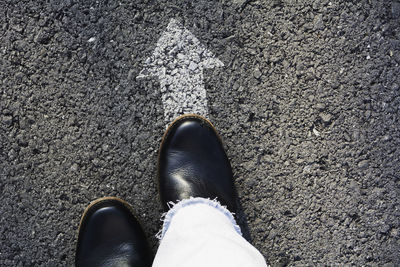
308,105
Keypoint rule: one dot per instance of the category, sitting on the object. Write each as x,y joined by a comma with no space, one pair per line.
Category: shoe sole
165,136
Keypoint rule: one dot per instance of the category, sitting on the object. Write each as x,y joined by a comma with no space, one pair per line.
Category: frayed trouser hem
175,207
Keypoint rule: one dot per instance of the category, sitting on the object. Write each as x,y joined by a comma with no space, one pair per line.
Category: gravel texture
308,105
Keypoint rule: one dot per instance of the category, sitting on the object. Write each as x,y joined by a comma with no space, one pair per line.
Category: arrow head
178,48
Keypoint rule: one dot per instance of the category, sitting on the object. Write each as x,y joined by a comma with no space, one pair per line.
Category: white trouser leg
200,232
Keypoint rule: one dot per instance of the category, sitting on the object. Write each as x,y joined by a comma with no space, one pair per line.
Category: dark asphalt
308,105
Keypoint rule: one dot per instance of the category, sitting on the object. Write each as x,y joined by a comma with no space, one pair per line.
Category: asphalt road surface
307,102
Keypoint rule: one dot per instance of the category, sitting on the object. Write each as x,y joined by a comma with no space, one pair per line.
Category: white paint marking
178,61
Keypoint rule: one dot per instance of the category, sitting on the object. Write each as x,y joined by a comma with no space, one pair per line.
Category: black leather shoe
192,163
110,235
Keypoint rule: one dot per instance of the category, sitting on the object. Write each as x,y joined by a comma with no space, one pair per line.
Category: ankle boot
110,235
192,163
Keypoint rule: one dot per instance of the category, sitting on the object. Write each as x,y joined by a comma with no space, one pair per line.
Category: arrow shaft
183,94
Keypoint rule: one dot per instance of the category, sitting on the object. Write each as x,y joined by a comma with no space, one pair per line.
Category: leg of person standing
197,192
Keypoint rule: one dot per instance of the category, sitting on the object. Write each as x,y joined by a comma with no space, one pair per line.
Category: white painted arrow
178,61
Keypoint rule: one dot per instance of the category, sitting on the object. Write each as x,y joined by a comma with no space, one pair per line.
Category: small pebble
104,147
7,120
192,65
320,106
385,229
96,162
347,137
307,169
257,74
363,164
318,23
74,167
315,131
326,117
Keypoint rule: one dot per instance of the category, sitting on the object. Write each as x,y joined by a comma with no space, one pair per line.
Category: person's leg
110,235
200,232
192,169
